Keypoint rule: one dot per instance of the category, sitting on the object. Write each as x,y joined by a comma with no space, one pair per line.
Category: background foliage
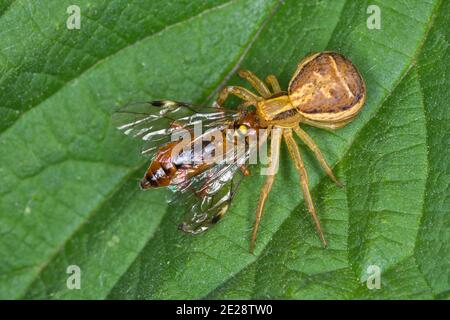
68,180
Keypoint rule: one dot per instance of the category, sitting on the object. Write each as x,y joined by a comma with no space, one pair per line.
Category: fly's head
248,123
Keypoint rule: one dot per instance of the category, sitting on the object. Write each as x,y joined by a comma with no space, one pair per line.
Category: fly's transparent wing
156,122
206,197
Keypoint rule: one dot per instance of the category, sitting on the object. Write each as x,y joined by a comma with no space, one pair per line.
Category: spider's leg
239,92
274,155
245,105
244,170
300,166
256,83
314,148
273,81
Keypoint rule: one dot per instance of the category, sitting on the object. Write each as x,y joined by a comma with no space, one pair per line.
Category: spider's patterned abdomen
327,83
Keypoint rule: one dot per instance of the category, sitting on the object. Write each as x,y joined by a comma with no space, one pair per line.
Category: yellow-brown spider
326,91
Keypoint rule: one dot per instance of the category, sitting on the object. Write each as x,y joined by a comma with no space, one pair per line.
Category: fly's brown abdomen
162,170
159,174
172,166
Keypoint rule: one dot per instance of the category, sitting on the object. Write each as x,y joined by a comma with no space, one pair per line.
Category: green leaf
68,188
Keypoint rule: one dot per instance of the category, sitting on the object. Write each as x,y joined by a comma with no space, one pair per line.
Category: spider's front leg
255,82
240,92
259,85
273,81
249,97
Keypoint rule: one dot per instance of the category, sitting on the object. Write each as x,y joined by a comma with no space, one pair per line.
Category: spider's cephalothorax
326,91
